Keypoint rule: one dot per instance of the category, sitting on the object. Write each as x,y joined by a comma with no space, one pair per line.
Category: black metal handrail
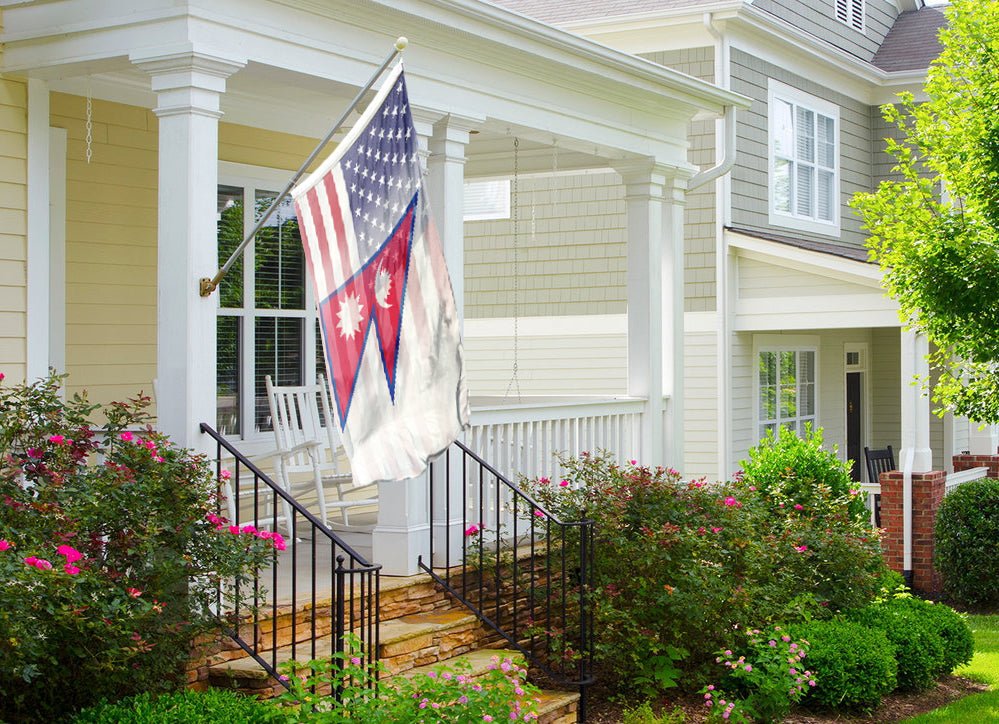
352,605
520,569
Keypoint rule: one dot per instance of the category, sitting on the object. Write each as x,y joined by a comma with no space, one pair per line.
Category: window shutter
843,11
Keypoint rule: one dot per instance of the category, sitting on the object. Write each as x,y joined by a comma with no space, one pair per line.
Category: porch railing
520,569
522,438
317,571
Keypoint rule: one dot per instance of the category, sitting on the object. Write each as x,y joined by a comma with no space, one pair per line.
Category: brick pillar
927,493
966,462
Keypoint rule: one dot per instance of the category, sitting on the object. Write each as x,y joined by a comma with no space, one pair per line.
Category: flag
390,329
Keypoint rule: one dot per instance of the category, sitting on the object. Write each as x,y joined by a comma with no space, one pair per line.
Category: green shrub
789,470
919,648
854,665
680,565
643,714
109,556
953,630
967,543
214,706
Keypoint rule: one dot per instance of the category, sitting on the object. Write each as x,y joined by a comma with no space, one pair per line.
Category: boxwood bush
854,665
967,543
953,630
919,647
214,706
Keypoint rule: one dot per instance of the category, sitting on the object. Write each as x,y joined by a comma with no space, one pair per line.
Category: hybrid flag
386,309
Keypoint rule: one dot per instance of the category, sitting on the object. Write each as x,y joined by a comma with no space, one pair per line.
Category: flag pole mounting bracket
208,285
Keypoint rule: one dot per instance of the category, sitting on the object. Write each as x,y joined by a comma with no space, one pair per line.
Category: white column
915,454
402,533
38,291
654,196
188,86
446,167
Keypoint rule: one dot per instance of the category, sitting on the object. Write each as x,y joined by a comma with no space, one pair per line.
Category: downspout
725,138
907,465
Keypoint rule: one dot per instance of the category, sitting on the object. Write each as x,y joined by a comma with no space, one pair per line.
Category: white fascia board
805,260
577,325
826,319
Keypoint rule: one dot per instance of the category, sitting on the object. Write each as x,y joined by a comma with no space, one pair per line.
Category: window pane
805,132
768,368
278,348
825,196
806,400
783,172
788,401
783,125
806,366
227,375
764,429
805,190
279,258
230,233
827,142
768,403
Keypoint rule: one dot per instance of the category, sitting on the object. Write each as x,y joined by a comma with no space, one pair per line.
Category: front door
853,424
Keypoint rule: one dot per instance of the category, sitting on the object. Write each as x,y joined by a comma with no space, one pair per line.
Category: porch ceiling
304,60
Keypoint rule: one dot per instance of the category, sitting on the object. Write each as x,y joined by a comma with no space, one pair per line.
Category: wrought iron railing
315,591
520,569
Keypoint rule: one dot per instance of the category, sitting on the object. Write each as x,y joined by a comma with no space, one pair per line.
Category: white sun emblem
383,287
350,314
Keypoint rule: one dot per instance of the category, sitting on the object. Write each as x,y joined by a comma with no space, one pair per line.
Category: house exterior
141,138
785,319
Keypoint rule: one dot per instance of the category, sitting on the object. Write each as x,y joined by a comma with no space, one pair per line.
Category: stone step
480,661
558,707
405,643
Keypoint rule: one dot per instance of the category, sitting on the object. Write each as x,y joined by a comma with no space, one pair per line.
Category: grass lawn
984,668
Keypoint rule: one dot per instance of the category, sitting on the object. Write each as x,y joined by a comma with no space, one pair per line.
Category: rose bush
111,552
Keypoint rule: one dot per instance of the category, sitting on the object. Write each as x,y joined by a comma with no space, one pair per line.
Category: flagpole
206,285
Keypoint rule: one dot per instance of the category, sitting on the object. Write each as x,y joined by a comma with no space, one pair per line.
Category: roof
912,42
846,251
560,11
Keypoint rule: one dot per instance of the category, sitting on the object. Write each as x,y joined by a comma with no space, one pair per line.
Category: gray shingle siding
699,214
818,18
750,188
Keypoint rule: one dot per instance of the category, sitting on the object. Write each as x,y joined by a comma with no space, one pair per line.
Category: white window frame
793,220
784,343
252,179
500,210
852,13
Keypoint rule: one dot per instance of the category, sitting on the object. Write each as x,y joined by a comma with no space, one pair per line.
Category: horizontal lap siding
886,389
111,220
111,212
13,223
818,18
750,190
700,415
558,364
757,280
884,163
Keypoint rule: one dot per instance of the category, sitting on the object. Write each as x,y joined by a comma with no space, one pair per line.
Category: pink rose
4,545
56,439
563,483
71,569
133,592
126,436
71,554
472,529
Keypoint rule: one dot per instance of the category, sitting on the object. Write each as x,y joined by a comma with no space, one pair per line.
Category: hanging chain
90,123
514,379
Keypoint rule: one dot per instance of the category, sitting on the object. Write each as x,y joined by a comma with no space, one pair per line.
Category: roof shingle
912,42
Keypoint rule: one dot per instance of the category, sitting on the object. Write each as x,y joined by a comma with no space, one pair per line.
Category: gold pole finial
401,42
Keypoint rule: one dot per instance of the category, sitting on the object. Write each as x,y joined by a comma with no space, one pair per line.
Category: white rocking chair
307,447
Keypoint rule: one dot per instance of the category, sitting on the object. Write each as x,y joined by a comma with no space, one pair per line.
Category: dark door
853,446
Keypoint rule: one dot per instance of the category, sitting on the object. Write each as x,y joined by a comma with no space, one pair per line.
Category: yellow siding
111,216
110,248
14,223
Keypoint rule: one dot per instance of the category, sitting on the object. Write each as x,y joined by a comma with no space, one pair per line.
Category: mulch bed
895,707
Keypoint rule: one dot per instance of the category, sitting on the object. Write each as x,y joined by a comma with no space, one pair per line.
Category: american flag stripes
386,309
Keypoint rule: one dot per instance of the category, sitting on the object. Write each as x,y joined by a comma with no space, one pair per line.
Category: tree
935,228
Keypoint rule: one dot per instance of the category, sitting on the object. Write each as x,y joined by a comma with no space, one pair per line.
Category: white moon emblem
383,287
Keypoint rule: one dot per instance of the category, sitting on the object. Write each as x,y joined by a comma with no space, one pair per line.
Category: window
786,389
486,200
804,161
851,12
266,318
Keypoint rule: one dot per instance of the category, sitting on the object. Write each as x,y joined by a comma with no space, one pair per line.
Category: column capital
186,80
649,178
